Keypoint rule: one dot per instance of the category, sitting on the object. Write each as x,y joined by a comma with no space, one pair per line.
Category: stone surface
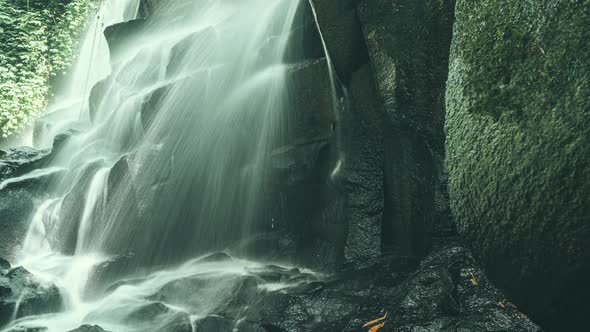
447,292
97,93
518,150
4,266
118,35
89,328
362,176
408,43
342,33
20,192
28,295
18,161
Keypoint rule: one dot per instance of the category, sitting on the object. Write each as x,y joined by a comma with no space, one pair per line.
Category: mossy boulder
518,149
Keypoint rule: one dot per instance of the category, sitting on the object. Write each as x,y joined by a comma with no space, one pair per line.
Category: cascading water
71,101
173,164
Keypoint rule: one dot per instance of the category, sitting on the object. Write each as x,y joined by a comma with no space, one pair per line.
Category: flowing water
168,163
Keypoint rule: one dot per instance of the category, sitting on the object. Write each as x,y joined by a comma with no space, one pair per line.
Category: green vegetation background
38,40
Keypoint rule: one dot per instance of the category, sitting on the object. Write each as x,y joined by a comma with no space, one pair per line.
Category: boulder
362,158
23,184
214,323
311,115
518,150
179,322
89,328
110,274
18,161
448,292
119,35
62,234
202,43
97,94
341,29
148,313
305,42
408,44
216,257
28,295
28,329
4,266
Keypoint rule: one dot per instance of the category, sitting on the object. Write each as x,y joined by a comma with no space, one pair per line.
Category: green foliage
38,39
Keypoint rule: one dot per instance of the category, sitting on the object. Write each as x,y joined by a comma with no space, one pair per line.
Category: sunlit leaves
37,40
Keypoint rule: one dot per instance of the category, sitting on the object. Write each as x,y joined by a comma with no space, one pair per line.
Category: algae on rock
518,149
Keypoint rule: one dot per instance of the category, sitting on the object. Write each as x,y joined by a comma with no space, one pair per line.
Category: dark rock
4,265
23,183
108,275
97,93
148,313
267,246
213,323
305,206
27,329
199,42
112,287
162,9
118,35
342,32
408,43
5,289
312,115
18,161
62,234
55,122
448,292
180,322
216,257
308,205
23,292
305,42
62,139
89,328
518,154
152,104
361,171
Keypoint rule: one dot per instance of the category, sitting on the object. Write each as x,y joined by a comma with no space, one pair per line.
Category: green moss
518,146
38,40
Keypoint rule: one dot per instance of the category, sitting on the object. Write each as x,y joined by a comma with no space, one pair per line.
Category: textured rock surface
19,195
362,158
518,148
89,328
22,294
341,30
448,292
408,43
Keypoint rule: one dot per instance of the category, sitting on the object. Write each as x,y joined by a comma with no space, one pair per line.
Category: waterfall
169,161
91,66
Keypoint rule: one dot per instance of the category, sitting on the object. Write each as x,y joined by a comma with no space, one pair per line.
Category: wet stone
89,328
216,257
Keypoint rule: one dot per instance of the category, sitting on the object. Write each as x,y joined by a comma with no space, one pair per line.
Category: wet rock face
18,161
118,34
22,294
89,328
408,44
19,195
447,293
518,153
343,35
